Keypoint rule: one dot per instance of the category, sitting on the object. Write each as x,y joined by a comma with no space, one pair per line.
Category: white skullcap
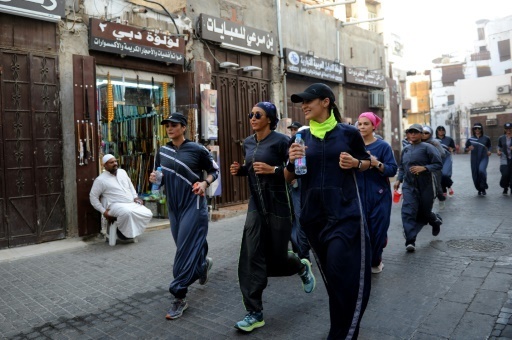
106,158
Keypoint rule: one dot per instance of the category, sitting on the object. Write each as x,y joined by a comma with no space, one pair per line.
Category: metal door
31,188
236,97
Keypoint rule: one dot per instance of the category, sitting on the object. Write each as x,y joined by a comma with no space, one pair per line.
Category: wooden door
31,181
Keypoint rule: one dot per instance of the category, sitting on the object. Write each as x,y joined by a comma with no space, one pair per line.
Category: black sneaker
479,193
207,266
505,191
178,306
484,193
410,248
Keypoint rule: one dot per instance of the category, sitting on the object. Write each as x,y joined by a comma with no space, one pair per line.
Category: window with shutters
481,33
483,71
504,49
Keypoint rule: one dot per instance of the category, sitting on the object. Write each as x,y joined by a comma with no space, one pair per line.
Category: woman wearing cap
331,211
480,147
183,162
505,153
418,163
427,137
375,187
448,145
264,251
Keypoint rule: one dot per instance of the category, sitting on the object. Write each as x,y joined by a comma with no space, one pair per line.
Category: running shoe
505,191
410,248
250,322
207,266
308,279
178,306
378,269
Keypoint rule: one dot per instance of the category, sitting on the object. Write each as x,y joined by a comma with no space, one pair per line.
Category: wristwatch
360,164
275,169
379,165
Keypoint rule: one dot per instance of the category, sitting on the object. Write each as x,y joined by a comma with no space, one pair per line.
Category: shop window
130,116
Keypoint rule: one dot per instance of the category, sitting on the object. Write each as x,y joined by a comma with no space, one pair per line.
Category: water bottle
155,187
300,163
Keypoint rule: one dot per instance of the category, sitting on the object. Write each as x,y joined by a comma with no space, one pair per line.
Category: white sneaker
441,205
378,269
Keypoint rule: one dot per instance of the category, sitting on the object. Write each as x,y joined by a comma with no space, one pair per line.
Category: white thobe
117,194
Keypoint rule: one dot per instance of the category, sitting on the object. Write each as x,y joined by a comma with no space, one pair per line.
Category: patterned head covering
271,111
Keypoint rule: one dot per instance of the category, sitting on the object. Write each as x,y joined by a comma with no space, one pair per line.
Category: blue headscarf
271,111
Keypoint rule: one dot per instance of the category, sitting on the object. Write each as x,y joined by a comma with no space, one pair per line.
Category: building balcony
481,56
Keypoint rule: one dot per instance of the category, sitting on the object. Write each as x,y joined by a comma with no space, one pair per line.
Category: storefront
122,91
32,208
241,71
304,69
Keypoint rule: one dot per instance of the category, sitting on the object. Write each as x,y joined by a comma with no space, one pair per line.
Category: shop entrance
236,97
32,206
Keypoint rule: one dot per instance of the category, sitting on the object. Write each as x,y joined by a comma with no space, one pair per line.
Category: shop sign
311,66
233,34
487,109
365,77
46,10
126,40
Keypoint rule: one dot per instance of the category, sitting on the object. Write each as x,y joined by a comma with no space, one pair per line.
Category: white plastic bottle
300,163
155,187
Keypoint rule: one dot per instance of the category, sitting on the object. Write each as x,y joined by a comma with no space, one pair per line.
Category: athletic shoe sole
174,317
250,328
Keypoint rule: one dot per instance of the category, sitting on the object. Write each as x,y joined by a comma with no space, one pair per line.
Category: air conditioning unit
503,89
376,99
491,122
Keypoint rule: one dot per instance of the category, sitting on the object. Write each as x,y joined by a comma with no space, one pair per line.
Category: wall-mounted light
239,48
227,64
251,68
139,10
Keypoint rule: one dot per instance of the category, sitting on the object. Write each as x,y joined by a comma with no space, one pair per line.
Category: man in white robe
123,203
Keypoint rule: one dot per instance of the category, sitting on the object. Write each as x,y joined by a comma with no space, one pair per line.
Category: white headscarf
106,158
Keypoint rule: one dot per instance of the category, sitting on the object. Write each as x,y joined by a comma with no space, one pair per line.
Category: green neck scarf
320,129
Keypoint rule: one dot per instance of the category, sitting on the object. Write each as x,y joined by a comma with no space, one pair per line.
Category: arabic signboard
311,66
47,10
222,31
487,109
364,77
126,40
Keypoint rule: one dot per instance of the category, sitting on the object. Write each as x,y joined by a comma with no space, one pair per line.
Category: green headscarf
320,129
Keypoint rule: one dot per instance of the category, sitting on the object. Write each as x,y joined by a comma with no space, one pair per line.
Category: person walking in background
446,173
505,153
331,209
480,147
427,137
264,250
418,163
375,186
183,162
123,203
300,244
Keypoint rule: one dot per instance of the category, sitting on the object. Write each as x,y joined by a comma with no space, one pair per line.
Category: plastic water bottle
300,163
155,187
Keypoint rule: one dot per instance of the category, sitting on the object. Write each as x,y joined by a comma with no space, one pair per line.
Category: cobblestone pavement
455,286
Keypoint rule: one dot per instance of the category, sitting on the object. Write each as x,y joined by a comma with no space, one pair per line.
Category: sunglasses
426,133
257,115
477,128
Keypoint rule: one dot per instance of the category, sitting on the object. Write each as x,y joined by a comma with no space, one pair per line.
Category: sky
434,27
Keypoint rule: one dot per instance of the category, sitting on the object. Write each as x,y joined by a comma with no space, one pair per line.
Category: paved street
455,286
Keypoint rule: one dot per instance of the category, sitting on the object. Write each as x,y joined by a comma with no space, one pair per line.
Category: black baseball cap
317,90
295,125
175,117
415,127
508,126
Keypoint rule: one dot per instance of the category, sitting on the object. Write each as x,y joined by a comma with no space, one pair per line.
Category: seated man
123,204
